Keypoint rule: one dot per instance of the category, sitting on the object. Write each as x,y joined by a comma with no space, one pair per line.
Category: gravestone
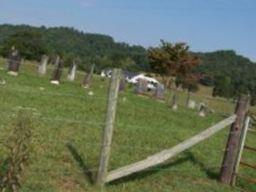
122,85
174,102
188,98
59,64
191,104
141,86
88,78
43,65
159,91
202,110
14,61
72,72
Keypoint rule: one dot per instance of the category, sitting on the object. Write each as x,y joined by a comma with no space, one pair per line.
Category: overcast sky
206,25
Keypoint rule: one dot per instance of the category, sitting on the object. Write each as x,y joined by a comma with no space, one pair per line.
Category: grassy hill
67,134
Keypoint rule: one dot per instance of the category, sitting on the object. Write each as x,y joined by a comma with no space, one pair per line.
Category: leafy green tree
90,48
29,43
223,87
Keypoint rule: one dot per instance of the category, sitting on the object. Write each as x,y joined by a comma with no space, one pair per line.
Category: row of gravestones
14,62
202,108
142,88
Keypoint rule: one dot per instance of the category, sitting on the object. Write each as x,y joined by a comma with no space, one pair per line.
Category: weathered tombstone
59,64
122,85
43,65
88,78
174,102
14,62
191,104
141,86
202,110
159,91
188,98
72,72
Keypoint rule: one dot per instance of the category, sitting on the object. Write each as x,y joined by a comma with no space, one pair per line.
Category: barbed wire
123,101
97,123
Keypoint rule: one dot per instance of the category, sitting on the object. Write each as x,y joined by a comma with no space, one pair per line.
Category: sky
206,25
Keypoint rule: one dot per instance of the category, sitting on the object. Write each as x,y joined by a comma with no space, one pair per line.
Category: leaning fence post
232,146
109,125
240,150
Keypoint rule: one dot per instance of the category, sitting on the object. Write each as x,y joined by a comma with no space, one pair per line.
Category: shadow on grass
189,156
77,157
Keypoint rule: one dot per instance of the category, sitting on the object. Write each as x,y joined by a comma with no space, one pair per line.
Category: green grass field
67,135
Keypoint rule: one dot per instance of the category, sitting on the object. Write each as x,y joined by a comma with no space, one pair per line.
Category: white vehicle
133,78
152,83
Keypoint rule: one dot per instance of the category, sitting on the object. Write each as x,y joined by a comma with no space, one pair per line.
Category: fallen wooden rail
252,130
250,180
250,148
248,165
165,155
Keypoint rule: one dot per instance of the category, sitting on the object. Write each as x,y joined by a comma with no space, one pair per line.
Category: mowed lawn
67,131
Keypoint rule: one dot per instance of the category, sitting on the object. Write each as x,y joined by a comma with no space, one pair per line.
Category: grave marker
141,86
72,72
43,65
202,110
59,64
88,78
174,102
159,91
14,61
122,85
191,104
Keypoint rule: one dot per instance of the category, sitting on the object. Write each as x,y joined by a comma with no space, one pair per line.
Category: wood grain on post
109,125
165,155
229,160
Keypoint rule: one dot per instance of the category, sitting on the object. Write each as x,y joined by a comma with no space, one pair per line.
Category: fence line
116,173
91,122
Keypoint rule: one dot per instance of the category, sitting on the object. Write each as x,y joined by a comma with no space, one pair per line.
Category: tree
223,87
29,43
89,47
190,82
171,60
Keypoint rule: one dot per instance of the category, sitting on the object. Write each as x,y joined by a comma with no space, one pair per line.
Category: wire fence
132,127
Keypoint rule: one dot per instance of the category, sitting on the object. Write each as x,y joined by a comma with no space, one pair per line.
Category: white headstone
191,104
72,72
43,65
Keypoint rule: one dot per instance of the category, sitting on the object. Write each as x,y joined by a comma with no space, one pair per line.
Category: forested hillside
232,74
71,43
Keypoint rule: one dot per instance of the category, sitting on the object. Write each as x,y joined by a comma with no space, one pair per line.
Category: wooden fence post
228,164
240,150
109,125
